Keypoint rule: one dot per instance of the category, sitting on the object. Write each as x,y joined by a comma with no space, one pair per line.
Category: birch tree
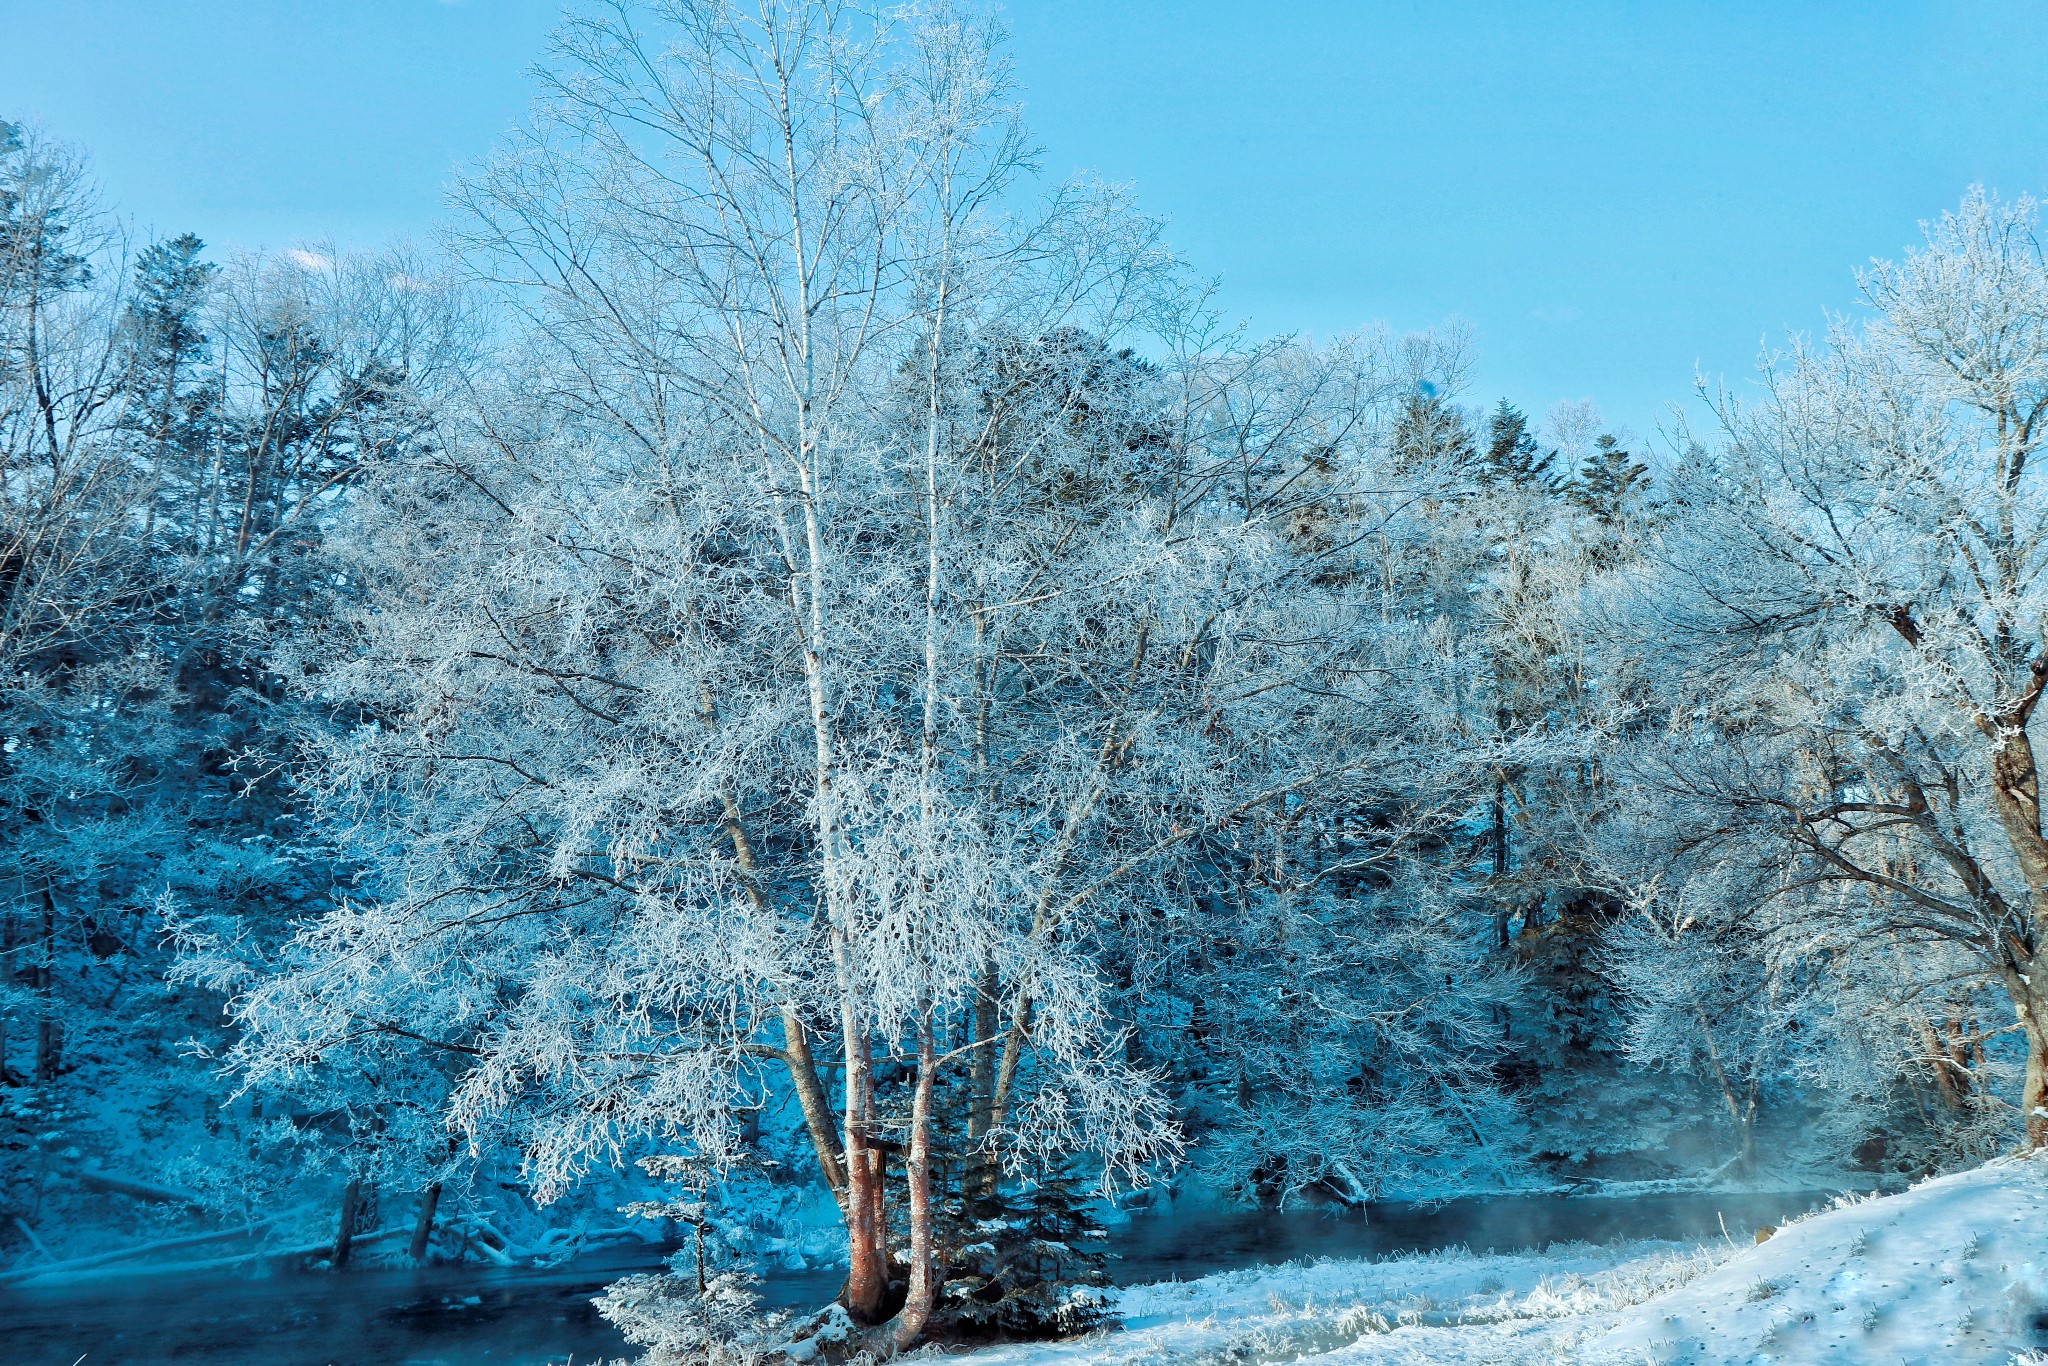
667,660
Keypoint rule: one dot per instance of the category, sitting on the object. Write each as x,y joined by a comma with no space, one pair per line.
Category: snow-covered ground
1953,1271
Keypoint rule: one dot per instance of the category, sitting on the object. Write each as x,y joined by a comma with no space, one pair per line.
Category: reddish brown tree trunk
867,1275
1938,1063
2016,780
810,1098
924,1285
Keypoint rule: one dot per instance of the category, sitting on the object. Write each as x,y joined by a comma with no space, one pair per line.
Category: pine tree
1512,455
173,386
1024,1260
1611,484
1431,434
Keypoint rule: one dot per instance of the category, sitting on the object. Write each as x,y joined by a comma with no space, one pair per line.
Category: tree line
797,646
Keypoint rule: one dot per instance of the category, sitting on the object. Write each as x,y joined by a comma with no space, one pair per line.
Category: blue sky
1608,193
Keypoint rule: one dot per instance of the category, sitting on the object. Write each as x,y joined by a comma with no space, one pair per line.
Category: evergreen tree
36,227
1431,434
1611,484
1024,1260
174,389
1512,455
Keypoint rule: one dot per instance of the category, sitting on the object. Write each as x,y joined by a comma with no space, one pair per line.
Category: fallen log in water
140,1250
93,1179
98,1268
478,1234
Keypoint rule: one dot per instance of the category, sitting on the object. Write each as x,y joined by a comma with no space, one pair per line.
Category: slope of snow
1953,1272
1444,1306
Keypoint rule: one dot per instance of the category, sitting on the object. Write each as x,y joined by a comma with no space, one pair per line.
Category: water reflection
475,1316
1189,1238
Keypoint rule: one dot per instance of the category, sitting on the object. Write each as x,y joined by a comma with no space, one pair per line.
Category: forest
795,685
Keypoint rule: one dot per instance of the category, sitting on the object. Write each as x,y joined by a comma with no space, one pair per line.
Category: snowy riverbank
1953,1271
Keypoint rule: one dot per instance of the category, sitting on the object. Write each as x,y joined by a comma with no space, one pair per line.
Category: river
487,1316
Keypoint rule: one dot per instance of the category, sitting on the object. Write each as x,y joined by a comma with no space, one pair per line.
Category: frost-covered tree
1432,433
692,674
144,738
1717,980
82,689
827,640
1331,998
1855,606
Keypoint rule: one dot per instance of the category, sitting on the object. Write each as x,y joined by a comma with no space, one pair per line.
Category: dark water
1183,1240
446,1316
472,1316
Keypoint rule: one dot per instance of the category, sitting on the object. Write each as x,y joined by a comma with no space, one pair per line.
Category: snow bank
1954,1271
1443,1306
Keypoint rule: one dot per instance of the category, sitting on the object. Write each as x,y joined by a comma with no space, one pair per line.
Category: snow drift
1953,1271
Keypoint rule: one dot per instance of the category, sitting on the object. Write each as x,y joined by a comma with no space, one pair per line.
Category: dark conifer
173,383
1431,434
1513,456
1611,484
1025,1260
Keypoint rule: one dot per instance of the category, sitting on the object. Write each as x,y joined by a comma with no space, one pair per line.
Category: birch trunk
867,1278
796,1045
923,1291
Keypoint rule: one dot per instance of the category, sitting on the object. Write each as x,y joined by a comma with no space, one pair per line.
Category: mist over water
1191,1237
